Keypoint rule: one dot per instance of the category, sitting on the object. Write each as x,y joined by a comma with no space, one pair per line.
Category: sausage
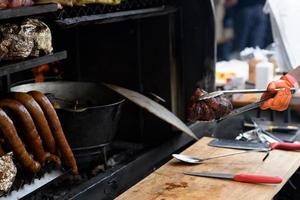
2,151
56,129
39,119
10,134
31,135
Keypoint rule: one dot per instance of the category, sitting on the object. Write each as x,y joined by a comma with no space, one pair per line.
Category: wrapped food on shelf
8,172
41,36
15,43
31,38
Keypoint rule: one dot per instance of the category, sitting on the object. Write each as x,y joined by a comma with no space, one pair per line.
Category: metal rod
252,91
229,154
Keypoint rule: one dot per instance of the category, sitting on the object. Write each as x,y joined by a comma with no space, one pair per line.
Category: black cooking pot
89,112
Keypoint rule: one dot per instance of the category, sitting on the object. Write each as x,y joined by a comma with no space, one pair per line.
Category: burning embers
31,129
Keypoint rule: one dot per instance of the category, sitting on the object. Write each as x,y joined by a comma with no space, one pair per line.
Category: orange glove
281,100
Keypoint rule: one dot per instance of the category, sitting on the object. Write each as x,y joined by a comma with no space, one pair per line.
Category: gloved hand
281,99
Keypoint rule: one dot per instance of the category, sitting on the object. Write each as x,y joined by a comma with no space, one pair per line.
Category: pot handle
116,112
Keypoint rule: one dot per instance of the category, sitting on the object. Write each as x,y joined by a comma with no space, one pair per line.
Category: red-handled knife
236,144
284,146
246,178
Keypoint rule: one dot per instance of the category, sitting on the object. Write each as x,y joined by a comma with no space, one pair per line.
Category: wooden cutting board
168,182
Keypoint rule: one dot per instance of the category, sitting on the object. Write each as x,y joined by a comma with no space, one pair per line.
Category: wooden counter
168,182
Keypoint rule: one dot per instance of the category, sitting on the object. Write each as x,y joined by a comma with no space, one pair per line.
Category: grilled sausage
10,134
2,151
39,119
56,129
31,135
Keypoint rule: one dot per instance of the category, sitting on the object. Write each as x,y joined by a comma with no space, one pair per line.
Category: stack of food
31,37
30,128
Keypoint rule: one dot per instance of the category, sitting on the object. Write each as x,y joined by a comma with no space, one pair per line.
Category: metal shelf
116,16
27,11
9,68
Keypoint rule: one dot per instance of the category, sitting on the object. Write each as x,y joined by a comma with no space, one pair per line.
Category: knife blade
235,144
245,178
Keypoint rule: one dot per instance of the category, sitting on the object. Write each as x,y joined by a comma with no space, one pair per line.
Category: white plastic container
264,74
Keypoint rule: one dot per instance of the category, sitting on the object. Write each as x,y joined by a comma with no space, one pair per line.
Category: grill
160,48
103,9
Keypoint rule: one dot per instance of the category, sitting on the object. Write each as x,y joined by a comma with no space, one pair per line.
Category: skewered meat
56,129
209,109
15,43
8,172
31,135
39,119
10,135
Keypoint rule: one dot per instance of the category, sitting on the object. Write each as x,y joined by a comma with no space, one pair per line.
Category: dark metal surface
113,182
198,45
115,16
27,11
17,66
235,144
153,107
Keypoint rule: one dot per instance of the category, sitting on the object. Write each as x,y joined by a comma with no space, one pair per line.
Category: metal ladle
195,160
246,91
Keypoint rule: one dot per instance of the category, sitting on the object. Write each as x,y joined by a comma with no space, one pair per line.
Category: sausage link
56,128
39,119
31,135
10,134
2,151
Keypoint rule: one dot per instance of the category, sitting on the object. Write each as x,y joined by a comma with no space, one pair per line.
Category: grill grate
119,153
125,5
